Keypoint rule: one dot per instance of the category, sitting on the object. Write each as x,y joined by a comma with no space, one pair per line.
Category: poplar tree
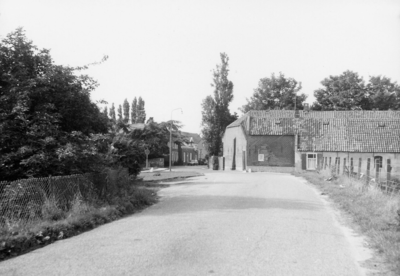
215,115
141,113
119,113
112,113
126,111
134,111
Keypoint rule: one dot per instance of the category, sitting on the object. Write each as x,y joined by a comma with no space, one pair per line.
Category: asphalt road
224,223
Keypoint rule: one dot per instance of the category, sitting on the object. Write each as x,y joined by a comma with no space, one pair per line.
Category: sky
166,50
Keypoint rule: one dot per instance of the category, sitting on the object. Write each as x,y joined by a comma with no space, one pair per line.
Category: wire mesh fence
380,178
24,200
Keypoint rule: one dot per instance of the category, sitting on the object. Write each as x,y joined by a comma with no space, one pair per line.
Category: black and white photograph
187,137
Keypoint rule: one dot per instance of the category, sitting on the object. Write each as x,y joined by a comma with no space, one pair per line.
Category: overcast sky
165,51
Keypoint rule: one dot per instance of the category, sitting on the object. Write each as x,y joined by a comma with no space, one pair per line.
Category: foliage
112,113
215,114
140,111
276,92
46,115
134,111
126,111
383,93
348,91
119,113
128,144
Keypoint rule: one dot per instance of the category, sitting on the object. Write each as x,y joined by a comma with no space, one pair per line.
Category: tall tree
126,111
215,114
112,113
344,92
276,92
120,113
106,111
45,113
134,111
141,113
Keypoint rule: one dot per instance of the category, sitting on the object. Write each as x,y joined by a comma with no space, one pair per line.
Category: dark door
234,155
244,160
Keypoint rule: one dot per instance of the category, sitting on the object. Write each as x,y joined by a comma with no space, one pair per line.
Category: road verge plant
19,236
376,213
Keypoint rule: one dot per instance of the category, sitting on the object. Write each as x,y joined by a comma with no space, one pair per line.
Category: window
378,161
311,161
260,157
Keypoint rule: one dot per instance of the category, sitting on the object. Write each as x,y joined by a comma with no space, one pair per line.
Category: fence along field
22,201
371,173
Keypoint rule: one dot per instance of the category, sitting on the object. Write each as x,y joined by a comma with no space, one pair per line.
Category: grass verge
375,212
17,237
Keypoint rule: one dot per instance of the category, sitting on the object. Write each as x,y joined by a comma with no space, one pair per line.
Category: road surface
223,223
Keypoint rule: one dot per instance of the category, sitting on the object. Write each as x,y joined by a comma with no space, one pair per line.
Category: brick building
285,140
193,149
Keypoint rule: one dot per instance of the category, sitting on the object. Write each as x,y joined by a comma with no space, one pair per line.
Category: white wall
241,144
394,159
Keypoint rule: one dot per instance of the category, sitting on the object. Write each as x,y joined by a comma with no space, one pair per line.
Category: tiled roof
196,137
353,131
239,121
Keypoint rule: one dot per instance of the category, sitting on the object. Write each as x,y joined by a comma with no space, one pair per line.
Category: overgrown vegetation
377,213
122,196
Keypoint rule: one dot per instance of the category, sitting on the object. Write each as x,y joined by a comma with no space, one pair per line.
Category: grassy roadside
375,212
18,238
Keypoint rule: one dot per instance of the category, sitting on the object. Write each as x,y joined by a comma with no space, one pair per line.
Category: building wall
241,145
271,151
394,161
188,154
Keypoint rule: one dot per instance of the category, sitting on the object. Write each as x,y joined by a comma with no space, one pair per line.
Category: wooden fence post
368,167
344,166
351,167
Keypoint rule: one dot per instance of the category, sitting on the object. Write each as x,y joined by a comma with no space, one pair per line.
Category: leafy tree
215,114
344,92
383,94
112,113
126,111
120,113
134,111
45,113
276,93
140,112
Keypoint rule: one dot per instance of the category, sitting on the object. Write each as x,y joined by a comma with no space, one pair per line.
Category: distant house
287,140
193,149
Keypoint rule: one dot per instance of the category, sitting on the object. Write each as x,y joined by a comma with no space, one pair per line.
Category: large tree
215,114
383,94
45,113
276,92
344,92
